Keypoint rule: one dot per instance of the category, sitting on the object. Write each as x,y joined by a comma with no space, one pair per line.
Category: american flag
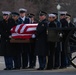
23,31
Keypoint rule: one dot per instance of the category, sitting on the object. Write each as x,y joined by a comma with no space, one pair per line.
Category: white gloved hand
10,36
33,36
60,34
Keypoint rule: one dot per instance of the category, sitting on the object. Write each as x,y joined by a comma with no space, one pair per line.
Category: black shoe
49,68
5,68
31,67
40,69
24,67
16,68
8,68
56,68
62,67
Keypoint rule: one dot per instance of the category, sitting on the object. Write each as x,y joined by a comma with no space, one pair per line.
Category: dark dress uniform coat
16,46
51,50
5,27
63,52
41,39
26,21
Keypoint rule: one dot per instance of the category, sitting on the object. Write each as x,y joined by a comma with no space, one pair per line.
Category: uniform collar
23,18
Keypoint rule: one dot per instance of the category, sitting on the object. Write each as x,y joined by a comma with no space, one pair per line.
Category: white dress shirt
23,18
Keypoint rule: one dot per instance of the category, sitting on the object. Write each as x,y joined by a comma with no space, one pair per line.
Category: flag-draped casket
23,31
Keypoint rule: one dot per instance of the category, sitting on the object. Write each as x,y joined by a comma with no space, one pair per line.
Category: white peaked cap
63,12
6,12
51,15
22,9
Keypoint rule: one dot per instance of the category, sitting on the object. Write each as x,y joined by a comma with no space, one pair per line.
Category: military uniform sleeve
0,27
41,29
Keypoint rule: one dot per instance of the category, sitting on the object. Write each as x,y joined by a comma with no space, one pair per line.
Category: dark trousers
58,55
17,61
16,48
42,61
32,60
25,54
8,62
32,56
51,56
63,56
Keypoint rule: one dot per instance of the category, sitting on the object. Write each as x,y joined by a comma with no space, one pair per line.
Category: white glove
33,36
10,36
60,34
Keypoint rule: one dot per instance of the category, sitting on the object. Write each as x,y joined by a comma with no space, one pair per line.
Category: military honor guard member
41,48
70,24
58,46
32,56
15,16
64,24
68,19
51,45
23,19
16,47
32,18
5,25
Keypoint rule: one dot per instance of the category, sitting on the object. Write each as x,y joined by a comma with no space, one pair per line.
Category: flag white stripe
31,24
23,28
31,29
17,27
16,34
